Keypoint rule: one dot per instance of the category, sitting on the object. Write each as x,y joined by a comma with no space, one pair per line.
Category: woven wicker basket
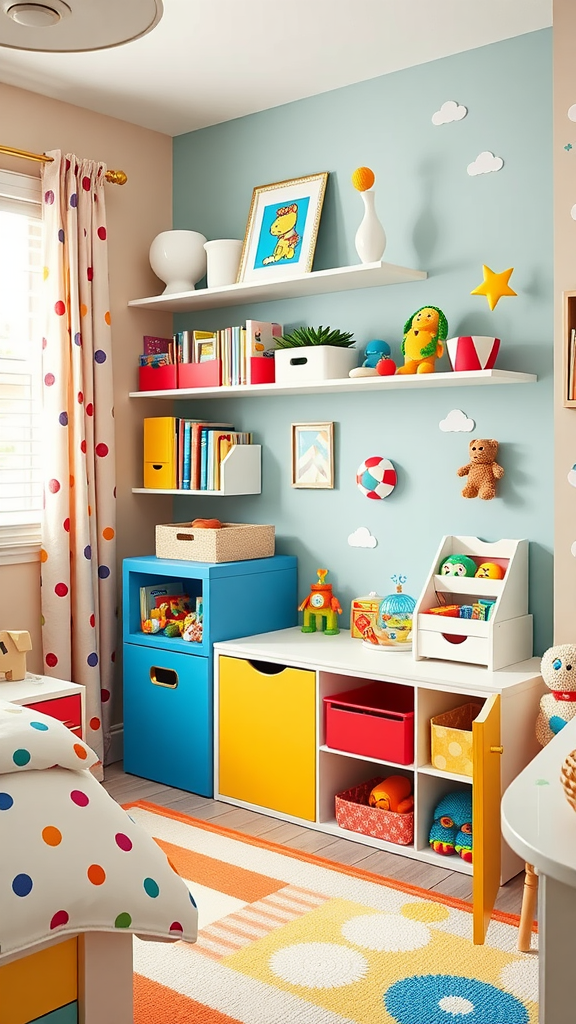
568,778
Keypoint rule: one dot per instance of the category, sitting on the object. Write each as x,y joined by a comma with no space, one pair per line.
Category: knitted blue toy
375,351
451,830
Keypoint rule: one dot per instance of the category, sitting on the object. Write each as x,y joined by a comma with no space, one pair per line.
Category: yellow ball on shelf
363,178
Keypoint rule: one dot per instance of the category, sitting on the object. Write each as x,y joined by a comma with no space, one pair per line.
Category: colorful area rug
290,938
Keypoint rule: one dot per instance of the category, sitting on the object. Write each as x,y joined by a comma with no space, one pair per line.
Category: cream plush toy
558,668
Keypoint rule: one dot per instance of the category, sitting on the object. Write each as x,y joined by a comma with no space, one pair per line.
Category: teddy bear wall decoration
558,670
424,335
482,471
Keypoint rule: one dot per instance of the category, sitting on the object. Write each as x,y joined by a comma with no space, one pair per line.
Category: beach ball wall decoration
376,477
572,476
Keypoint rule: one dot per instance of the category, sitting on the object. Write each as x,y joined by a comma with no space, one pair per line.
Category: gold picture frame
313,455
282,229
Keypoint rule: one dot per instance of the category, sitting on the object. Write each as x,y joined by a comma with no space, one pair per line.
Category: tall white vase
370,238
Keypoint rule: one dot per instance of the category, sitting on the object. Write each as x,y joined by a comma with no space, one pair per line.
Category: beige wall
136,212
564,280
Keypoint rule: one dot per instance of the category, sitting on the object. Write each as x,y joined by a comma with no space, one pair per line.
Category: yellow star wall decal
494,286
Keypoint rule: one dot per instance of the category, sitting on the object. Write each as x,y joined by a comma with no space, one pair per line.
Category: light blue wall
437,218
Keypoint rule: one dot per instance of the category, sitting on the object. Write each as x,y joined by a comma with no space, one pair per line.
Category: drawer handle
164,677
184,536
267,668
496,750
299,361
390,716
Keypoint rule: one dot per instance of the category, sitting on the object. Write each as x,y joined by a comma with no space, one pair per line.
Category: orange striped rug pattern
290,938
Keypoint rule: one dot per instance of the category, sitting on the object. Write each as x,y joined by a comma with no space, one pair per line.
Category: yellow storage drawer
39,983
267,736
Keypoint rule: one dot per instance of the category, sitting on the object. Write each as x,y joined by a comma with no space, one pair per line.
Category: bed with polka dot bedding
72,860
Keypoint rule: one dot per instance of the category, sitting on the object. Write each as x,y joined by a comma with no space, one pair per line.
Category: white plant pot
313,362
178,258
223,261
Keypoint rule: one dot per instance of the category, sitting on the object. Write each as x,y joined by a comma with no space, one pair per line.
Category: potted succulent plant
314,353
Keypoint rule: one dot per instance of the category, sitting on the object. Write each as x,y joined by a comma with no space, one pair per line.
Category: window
20,365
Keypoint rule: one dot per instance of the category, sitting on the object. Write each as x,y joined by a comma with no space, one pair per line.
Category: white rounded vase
178,258
370,238
223,261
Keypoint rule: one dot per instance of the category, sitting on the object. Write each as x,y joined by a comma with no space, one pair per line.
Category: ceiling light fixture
77,26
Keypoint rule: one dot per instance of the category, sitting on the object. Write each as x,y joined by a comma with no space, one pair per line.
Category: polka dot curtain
79,523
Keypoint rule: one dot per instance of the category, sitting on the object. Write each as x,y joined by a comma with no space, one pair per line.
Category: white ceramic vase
223,261
370,238
178,258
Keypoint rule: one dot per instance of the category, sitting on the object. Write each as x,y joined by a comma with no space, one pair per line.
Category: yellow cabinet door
267,736
486,795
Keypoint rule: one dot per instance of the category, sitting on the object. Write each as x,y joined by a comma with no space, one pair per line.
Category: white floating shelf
240,474
396,383
337,279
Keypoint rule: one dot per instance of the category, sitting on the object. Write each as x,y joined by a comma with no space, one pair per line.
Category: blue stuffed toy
451,830
375,351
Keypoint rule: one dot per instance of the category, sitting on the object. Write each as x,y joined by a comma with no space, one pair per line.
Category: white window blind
20,359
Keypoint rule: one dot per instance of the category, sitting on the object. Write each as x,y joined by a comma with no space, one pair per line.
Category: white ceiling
208,61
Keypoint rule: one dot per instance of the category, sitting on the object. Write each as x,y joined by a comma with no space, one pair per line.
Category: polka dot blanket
72,860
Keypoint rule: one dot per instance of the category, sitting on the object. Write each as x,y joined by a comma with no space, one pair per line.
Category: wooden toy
393,794
424,334
458,565
482,471
13,646
558,669
490,571
320,607
451,830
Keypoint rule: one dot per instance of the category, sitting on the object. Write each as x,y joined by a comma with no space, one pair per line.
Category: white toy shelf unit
505,636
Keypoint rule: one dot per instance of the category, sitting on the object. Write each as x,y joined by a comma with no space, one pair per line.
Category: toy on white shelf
13,646
375,351
321,608
558,670
392,630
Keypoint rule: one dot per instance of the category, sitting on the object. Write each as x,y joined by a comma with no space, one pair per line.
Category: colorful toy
451,830
363,613
451,610
482,471
424,334
320,607
393,627
393,794
558,669
376,477
13,646
494,286
490,571
206,524
473,352
458,565
386,367
375,351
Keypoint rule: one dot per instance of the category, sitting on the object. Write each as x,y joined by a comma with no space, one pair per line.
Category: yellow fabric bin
452,739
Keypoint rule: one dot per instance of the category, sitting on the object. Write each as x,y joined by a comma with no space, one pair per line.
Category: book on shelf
571,389
261,336
153,345
157,591
195,450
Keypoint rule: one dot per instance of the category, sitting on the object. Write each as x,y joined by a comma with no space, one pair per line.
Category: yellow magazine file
160,452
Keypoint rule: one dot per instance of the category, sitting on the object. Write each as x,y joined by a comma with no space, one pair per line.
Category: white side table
55,697
540,825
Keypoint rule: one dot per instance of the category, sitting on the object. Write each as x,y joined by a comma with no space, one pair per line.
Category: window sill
19,544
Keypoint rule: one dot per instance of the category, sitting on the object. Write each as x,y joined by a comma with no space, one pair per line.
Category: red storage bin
354,812
262,370
200,375
157,378
376,721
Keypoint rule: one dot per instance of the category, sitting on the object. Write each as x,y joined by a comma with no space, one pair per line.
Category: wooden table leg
105,978
528,907
556,925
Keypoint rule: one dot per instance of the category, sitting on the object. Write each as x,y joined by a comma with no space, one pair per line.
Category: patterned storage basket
353,812
234,542
451,739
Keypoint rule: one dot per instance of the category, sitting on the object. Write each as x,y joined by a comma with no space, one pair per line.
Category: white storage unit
506,638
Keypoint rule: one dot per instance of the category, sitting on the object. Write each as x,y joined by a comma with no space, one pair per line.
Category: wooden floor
126,788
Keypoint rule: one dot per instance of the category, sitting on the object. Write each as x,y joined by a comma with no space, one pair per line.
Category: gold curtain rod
115,177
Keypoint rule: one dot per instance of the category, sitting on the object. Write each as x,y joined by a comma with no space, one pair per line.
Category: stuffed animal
393,794
458,565
375,351
558,669
424,334
482,471
451,830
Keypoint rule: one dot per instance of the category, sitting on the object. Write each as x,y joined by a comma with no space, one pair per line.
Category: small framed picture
282,229
205,350
313,455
